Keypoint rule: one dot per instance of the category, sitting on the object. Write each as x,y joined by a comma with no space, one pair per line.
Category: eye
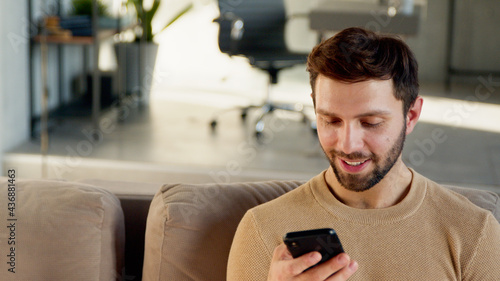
371,121
371,124
330,121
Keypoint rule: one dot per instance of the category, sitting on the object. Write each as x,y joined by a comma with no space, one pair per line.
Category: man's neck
388,192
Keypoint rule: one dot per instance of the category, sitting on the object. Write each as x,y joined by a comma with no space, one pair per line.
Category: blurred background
144,91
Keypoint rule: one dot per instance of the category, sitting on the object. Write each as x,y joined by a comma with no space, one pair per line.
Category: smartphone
323,240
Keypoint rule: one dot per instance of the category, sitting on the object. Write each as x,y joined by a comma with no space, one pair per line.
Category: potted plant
79,19
84,7
145,18
140,55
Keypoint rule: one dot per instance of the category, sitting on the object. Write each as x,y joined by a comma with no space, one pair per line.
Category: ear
314,101
413,114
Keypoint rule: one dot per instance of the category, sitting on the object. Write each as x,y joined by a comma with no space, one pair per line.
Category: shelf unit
75,107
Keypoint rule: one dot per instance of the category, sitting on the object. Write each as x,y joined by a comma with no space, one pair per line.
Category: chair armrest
231,29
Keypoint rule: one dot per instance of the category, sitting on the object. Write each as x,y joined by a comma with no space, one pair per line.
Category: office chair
255,29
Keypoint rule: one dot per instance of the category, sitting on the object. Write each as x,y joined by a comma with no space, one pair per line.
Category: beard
383,164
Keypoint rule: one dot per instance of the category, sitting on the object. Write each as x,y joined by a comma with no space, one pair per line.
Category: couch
112,230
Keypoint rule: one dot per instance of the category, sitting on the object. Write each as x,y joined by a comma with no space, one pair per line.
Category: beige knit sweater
432,234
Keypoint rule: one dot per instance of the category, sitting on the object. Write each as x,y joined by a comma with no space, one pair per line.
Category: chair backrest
190,227
264,25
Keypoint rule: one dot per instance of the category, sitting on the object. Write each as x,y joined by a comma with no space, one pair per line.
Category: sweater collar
408,206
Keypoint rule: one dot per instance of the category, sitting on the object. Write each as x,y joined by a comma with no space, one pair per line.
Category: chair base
266,109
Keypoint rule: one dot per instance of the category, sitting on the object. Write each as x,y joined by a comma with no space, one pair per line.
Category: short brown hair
356,55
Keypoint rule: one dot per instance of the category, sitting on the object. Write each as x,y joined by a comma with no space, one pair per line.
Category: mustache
351,156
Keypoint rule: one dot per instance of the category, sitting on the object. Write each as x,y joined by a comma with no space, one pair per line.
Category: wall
477,36
14,97
2,34
476,45
431,42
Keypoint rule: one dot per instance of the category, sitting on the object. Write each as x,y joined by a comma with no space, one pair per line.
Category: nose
350,139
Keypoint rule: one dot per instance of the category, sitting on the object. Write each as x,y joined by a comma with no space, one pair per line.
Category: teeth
355,163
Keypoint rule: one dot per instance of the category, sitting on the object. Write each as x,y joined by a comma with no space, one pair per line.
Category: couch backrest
190,228
485,199
60,231
135,199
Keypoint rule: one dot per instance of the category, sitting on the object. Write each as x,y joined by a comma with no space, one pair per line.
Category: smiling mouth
354,164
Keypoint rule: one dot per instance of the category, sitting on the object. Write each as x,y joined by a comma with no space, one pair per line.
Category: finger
326,269
281,253
298,265
283,264
345,272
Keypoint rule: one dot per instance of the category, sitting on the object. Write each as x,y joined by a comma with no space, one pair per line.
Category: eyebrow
366,114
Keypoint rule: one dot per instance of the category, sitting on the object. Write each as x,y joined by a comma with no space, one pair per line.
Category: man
394,224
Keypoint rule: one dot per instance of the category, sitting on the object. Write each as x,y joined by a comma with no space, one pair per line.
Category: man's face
361,129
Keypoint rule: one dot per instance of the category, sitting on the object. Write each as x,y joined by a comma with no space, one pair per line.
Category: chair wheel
259,135
213,125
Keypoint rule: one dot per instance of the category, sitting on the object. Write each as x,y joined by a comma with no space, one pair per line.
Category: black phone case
324,240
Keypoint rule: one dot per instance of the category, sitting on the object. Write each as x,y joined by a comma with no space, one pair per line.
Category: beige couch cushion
482,198
64,231
135,198
190,227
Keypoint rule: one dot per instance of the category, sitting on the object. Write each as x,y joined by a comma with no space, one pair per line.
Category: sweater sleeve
249,259
484,263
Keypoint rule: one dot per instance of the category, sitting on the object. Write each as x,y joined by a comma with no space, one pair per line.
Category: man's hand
285,267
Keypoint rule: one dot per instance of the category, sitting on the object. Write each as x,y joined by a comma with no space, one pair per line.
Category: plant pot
136,64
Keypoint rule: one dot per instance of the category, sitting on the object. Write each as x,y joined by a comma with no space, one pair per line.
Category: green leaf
180,14
146,17
138,7
85,7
